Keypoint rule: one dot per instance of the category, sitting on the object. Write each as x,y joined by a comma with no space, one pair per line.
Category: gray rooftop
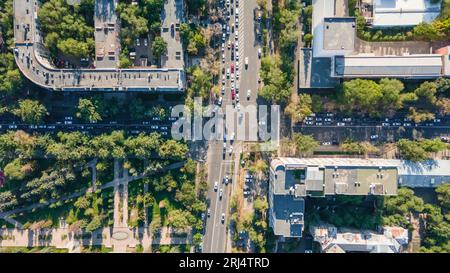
418,66
287,215
339,33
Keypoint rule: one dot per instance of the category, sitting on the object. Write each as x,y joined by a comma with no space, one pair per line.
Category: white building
403,13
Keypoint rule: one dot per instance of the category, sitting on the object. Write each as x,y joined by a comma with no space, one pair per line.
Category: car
246,62
224,146
237,45
232,68
347,119
223,47
249,93
228,30
223,79
437,120
223,58
233,94
407,124
232,136
145,42
230,151
208,213
228,3
232,77
226,180
318,119
373,137
237,13
228,73
327,119
229,44
236,35
216,184
237,97
237,75
138,42
237,22
237,55
224,37
385,124
154,127
222,219
326,143
220,194
340,124
309,123
259,53
219,101
223,90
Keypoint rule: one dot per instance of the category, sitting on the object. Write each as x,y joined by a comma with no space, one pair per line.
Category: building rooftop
389,13
287,215
425,66
359,176
339,33
342,240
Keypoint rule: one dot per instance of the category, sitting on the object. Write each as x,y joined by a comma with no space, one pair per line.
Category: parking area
107,43
172,18
392,48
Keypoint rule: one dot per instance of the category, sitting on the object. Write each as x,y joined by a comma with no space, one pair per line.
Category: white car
236,45
229,44
249,93
223,58
220,194
237,74
230,151
259,53
223,90
138,42
145,42
236,35
223,47
228,73
246,62
216,184
223,79
220,101
223,218
237,55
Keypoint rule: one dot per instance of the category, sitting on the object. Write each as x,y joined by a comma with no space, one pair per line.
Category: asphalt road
220,164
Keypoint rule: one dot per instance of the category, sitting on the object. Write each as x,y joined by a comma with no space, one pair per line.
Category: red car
232,68
233,94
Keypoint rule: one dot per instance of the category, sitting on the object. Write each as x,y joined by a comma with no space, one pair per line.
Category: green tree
361,95
443,195
159,47
410,150
304,144
299,110
30,111
171,149
87,111
391,89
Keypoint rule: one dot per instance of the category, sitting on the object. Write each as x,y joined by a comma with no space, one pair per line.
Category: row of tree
39,167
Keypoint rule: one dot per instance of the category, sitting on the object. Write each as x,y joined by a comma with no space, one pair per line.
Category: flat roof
429,65
339,33
287,215
387,13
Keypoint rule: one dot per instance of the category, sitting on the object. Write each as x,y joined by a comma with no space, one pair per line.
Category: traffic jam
231,64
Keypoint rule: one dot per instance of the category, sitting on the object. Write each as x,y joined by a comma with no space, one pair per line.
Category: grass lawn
170,205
